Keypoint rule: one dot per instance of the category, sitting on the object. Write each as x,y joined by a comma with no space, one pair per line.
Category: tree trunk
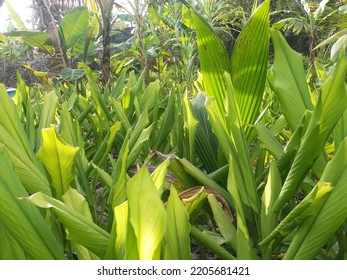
106,52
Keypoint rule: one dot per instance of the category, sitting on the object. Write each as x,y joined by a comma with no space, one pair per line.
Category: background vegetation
175,130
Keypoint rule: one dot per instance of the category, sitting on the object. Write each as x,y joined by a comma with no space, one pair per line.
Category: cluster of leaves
135,170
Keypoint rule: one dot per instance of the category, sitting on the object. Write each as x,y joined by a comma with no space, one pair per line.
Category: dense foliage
203,135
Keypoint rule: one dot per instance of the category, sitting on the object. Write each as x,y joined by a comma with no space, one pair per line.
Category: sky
22,7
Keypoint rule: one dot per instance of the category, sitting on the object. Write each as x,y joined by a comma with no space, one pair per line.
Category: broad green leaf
193,200
232,139
105,147
214,59
120,114
168,121
331,104
97,97
69,74
47,115
303,211
14,141
78,228
177,241
121,219
244,250
288,71
249,63
182,179
239,150
119,177
85,48
202,179
22,221
190,125
317,13
104,176
77,202
138,128
208,242
74,25
269,142
206,144
149,95
9,247
15,17
159,176
139,145
118,88
146,215
272,189
70,133
116,248
223,221
37,39
315,232
340,131
28,172
59,160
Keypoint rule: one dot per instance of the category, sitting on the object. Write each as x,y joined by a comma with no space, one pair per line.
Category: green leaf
119,177
244,250
71,134
146,215
214,59
331,104
190,129
202,179
205,239
105,147
47,115
224,222
269,142
86,49
69,74
193,200
168,121
9,247
249,63
177,241
22,221
37,39
272,189
74,25
159,176
59,160
15,16
139,145
14,141
315,232
119,235
77,202
288,71
303,211
78,228
206,144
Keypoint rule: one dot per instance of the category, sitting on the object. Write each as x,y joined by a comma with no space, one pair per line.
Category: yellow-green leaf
146,214
59,160
177,241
